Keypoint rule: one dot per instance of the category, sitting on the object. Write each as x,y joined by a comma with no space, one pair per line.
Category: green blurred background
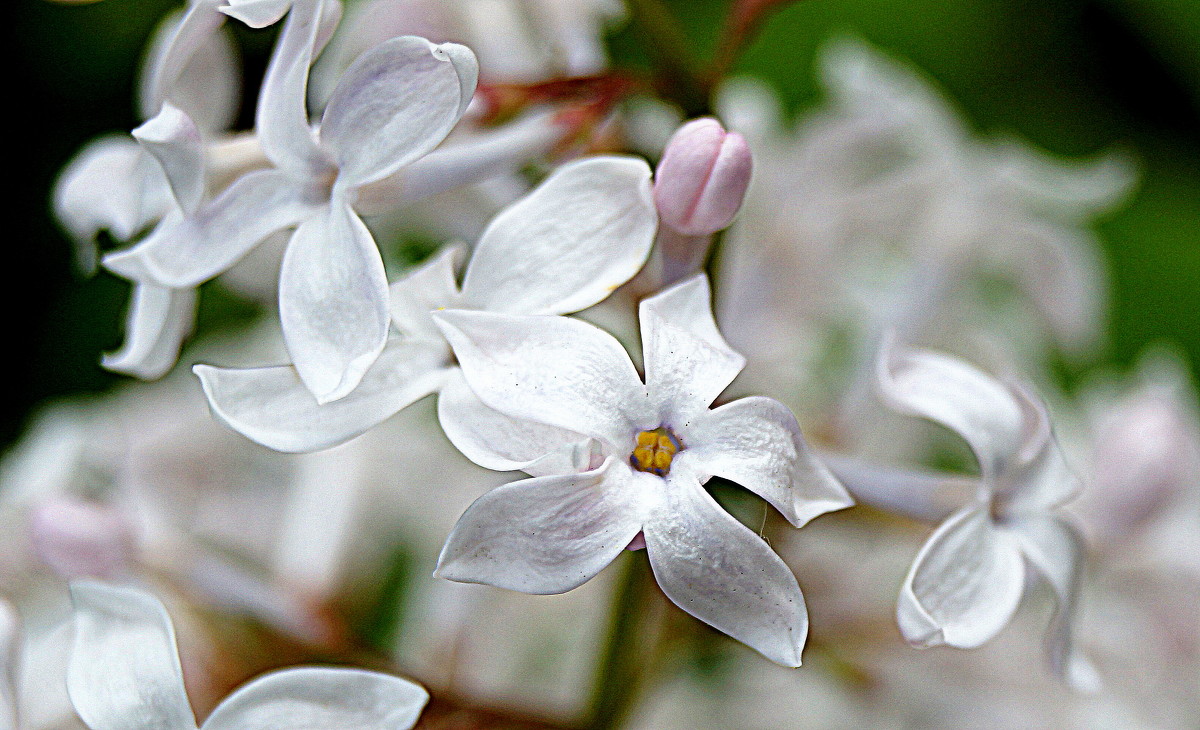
1071,76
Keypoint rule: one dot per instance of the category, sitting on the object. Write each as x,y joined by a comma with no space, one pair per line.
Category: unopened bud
79,539
702,178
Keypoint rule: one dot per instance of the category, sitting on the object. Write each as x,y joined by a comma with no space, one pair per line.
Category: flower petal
547,534
185,252
333,302
583,232
109,185
193,65
272,407
173,139
964,585
495,441
1040,479
432,285
688,362
716,569
1056,550
554,370
757,443
158,321
394,104
281,120
955,394
124,672
320,698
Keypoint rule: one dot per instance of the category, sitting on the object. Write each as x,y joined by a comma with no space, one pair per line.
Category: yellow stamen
654,451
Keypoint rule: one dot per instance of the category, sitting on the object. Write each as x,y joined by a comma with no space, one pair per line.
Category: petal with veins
320,698
185,252
947,390
494,441
271,405
716,569
1040,478
964,585
394,104
158,321
757,443
684,374
124,672
548,534
333,302
1056,550
583,232
281,120
554,370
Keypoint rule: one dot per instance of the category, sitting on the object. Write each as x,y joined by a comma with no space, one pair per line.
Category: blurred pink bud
79,539
702,178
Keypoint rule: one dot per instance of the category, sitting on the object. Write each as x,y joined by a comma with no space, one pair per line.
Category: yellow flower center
654,451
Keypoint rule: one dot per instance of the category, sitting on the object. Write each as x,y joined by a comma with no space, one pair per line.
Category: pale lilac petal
10,658
158,321
124,672
185,252
111,184
272,407
82,539
757,443
333,302
394,104
1039,479
173,139
554,370
321,698
702,177
1056,551
432,285
716,569
687,361
281,121
547,534
964,585
495,441
193,65
257,13
583,232
486,155
955,394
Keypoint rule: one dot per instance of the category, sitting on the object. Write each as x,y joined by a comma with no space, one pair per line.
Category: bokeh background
1071,76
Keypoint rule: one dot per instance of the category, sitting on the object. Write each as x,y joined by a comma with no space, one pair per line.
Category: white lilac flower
125,674
578,236
968,578
118,184
393,105
651,445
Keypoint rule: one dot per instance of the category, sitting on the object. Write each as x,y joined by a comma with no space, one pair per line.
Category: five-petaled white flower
968,578
652,446
579,235
392,106
124,674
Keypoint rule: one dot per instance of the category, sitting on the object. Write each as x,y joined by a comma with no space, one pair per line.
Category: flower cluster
610,333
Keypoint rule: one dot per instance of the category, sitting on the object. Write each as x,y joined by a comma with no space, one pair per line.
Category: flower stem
620,673
669,45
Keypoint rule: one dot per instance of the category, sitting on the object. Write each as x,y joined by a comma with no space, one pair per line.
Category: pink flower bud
79,539
702,178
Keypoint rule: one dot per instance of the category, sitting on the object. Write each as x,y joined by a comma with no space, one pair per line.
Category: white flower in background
652,446
516,41
881,211
967,580
393,105
578,236
124,674
119,185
